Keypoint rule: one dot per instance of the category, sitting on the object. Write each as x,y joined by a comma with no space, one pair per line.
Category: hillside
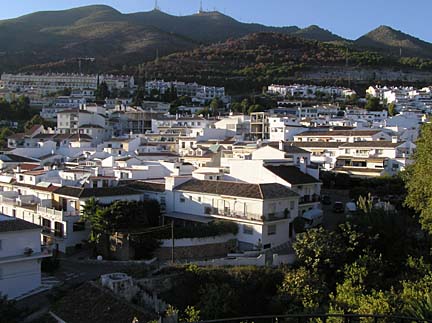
54,40
95,31
264,58
205,27
315,32
389,39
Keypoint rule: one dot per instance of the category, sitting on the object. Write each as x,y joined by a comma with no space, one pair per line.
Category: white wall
18,278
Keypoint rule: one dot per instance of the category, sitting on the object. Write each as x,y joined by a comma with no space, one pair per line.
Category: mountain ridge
116,39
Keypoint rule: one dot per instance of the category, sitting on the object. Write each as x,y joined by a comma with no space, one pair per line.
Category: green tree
102,92
302,290
191,314
255,108
5,133
418,179
36,120
245,105
353,296
391,109
89,213
373,104
236,107
138,97
216,106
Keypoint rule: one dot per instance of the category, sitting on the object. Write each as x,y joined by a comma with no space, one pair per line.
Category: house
342,135
264,212
374,158
20,257
302,180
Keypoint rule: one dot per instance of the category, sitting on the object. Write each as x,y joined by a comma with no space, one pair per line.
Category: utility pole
172,238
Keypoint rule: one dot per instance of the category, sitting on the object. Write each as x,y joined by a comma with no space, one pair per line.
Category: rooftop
246,190
10,224
292,175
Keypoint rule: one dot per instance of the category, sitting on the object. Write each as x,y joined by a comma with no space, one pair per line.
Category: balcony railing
56,214
56,234
246,215
309,199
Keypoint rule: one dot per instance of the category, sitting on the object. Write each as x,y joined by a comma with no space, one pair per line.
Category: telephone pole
172,238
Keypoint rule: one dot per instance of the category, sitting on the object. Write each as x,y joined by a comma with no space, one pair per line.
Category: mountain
94,31
393,41
315,32
54,40
262,58
205,27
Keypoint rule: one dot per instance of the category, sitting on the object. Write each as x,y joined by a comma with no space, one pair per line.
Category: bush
213,229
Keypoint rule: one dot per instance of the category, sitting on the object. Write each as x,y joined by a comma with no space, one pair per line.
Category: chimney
394,139
281,145
303,165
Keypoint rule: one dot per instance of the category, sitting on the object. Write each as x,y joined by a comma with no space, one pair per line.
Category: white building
199,93
50,83
263,212
20,257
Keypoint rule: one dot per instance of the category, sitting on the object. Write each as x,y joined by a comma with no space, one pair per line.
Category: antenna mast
156,7
201,7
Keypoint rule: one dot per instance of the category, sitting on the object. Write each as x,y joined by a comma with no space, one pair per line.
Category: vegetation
418,179
9,313
259,59
373,104
212,229
18,110
102,92
120,216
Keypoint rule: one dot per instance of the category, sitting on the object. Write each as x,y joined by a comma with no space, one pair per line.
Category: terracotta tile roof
32,129
316,144
80,192
147,186
373,144
292,175
336,133
12,158
288,148
254,191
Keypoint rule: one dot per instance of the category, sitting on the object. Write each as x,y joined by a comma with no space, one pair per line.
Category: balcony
306,199
45,252
53,214
244,216
55,234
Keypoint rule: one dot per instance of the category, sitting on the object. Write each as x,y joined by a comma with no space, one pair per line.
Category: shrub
212,229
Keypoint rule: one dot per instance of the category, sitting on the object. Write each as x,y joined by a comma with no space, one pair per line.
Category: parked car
313,218
350,208
326,200
338,207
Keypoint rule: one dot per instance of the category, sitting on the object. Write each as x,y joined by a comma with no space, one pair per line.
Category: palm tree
88,214
420,308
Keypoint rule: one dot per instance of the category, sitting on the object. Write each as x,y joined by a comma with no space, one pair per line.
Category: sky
347,18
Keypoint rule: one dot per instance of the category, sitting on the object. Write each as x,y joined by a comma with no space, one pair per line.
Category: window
271,230
199,199
78,226
247,229
292,205
0,244
59,229
182,199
